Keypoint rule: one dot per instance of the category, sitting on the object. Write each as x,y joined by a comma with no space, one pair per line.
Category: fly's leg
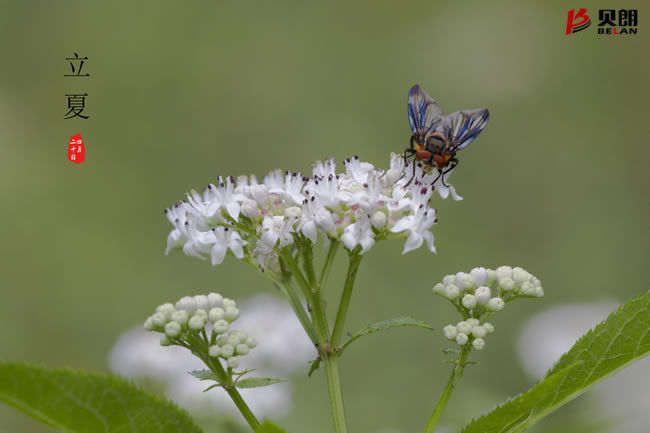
454,163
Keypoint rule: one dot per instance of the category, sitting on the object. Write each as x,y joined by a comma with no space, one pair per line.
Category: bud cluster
204,318
479,294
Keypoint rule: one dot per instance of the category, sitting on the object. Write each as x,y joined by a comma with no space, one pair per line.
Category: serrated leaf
386,324
621,339
256,382
78,401
204,375
268,427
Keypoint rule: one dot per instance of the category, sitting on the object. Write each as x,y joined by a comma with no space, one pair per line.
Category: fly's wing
423,111
465,126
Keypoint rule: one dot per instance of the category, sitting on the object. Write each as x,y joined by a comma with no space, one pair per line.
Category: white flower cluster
481,293
211,314
357,207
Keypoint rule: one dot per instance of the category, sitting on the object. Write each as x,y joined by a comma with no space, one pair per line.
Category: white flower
226,239
359,233
291,189
277,228
357,170
419,225
177,215
226,198
198,244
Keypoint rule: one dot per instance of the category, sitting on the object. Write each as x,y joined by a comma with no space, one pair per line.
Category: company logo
611,21
577,22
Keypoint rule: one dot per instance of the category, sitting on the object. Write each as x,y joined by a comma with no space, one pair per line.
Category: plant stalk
454,378
335,392
344,304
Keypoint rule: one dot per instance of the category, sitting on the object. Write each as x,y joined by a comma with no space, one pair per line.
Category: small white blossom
359,233
418,225
277,229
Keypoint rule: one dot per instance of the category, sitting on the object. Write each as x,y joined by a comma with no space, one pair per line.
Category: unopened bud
478,344
293,212
250,209
242,349
196,322
167,309
378,220
214,351
483,295
214,300
461,339
220,326
464,327
479,331
450,332
216,314
201,302
495,304
231,314
172,329
159,320
227,350
469,301
451,292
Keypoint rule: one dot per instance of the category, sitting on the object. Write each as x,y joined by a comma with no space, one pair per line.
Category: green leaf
256,382
621,339
78,401
386,324
268,427
204,375
315,365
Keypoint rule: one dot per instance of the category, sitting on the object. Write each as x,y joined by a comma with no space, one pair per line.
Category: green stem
321,327
329,261
454,378
336,395
319,306
243,407
297,307
344,304
216,367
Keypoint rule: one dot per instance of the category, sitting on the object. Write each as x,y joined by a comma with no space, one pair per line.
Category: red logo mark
76,149
572,26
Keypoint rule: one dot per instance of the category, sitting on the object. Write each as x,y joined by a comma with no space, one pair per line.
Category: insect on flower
436,138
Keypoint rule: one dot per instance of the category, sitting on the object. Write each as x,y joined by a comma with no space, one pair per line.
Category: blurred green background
182,91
